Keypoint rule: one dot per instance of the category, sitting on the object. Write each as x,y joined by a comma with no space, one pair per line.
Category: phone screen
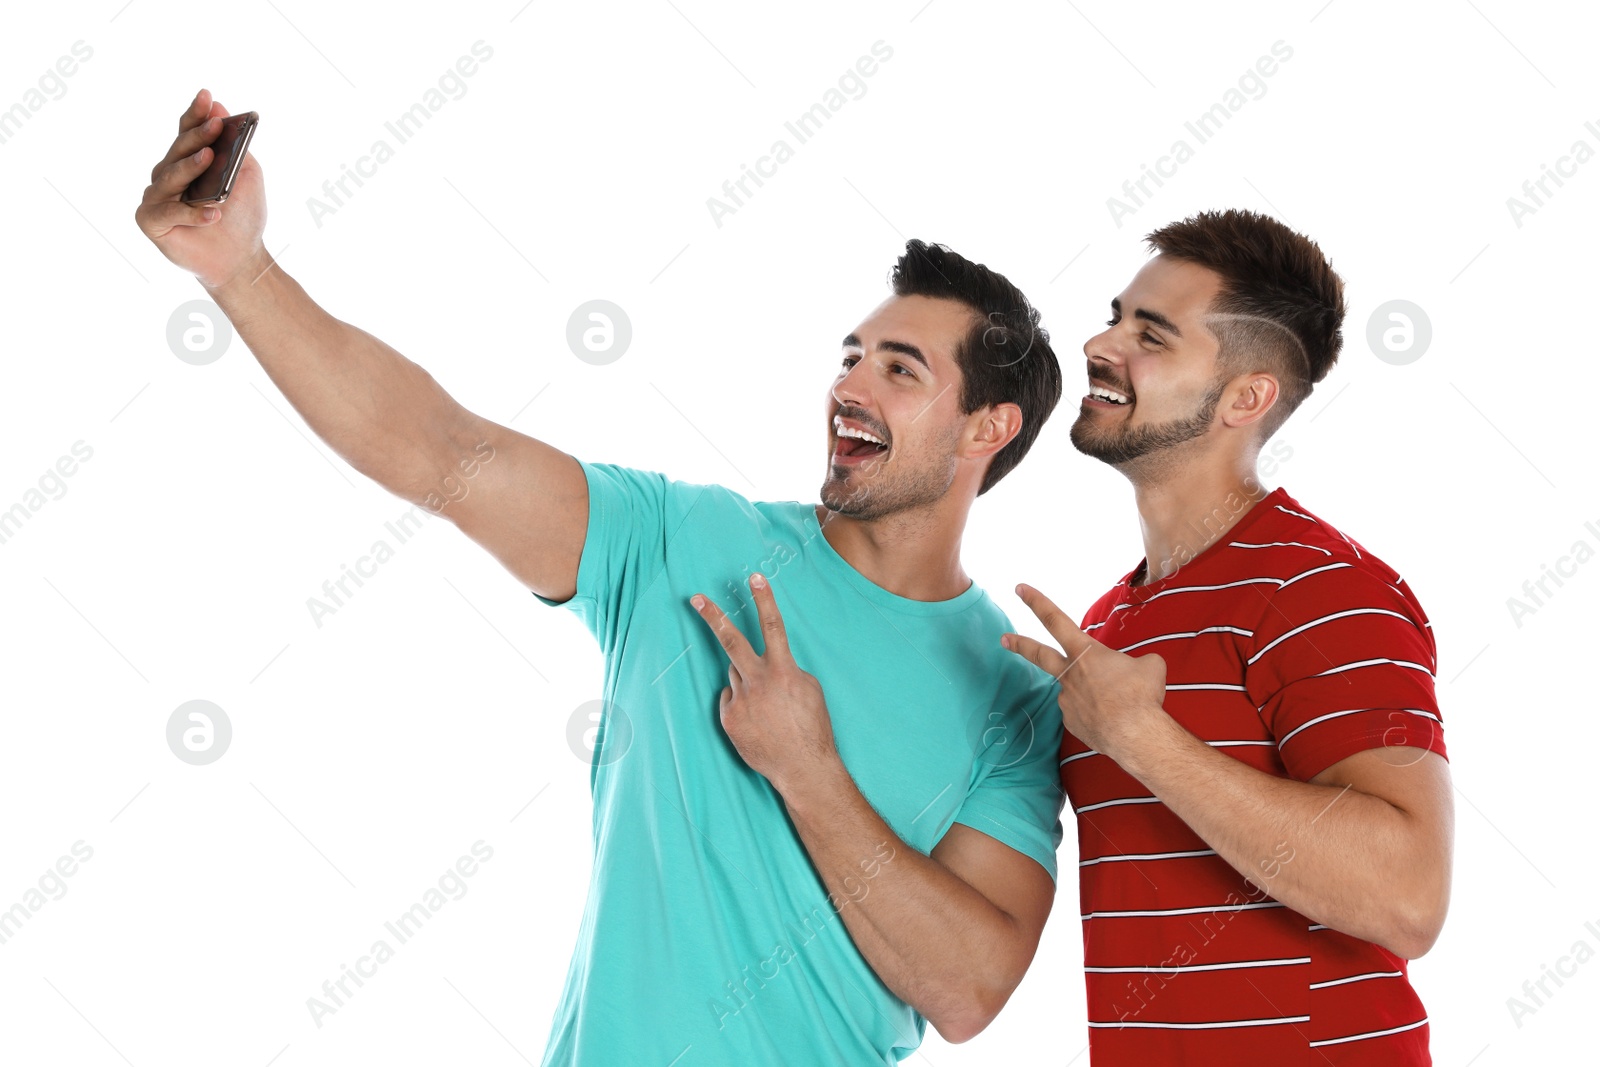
227,154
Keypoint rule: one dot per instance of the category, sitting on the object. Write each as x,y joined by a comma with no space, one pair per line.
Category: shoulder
1290,542
678,500
1285,541
1322,572
1023,687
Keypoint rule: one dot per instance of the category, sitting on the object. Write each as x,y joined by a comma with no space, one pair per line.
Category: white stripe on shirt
1353,711
1200,967
1357,711
1181,911
1372,663
1196,633
1280,544
1209,1026
1362,1037
1355,978
1116,803
1318,622
1321,718
1309,573
1201,589
1148,856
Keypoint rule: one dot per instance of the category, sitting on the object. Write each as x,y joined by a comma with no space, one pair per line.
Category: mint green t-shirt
708,938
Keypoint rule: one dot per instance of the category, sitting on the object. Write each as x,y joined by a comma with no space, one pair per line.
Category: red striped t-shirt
1288,647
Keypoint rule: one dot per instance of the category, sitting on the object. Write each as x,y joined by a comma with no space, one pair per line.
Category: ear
1248,398
991,428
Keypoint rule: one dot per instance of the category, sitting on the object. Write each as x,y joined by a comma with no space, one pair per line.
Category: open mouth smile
1100,396
854,443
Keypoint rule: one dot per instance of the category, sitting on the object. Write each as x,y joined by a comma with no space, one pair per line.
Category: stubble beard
883,486
1145,446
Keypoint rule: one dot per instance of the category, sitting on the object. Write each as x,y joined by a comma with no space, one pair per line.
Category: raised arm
522,500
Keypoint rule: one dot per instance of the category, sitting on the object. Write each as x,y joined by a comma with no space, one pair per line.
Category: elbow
1408,947
956,1032
1426,919
1410,921
963,1026
1405,934
1405,947
977,1007
1417,922
1415,933
1406,927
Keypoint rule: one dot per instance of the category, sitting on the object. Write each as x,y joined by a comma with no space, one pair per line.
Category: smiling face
1154,382
895,424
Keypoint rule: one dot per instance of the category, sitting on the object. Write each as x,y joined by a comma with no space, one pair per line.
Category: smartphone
227,153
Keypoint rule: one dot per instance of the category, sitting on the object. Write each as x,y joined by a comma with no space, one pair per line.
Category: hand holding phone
205,207
214,185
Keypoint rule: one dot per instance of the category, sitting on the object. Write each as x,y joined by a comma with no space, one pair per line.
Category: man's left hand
773,712
1105,695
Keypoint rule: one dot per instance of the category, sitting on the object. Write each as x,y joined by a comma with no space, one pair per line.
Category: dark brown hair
1005,357
1281,307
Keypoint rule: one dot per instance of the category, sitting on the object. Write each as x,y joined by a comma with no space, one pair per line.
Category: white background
371,752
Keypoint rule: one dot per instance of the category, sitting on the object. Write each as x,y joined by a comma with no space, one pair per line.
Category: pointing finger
1074,642
727,634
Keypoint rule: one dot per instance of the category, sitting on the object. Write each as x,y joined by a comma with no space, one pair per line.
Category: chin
840,501
1085,440
832,493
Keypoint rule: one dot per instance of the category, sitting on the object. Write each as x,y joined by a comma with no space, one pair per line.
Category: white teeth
850,431
1103,393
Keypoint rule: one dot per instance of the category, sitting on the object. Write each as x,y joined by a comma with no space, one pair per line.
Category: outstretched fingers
740,654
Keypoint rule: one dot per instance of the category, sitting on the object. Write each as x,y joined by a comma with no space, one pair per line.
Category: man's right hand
214,250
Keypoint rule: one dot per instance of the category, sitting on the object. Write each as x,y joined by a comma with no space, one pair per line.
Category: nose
1105,347
850,388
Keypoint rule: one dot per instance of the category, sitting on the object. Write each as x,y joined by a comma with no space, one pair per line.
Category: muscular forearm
385,415
934,940
1346,859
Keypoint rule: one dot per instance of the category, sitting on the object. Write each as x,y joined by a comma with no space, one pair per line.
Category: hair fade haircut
1281,308
1005,358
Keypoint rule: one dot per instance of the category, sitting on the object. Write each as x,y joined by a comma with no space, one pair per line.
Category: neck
914,554
1188,508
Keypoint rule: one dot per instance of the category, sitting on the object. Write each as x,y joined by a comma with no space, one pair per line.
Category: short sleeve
1342,661
624,547
1016,798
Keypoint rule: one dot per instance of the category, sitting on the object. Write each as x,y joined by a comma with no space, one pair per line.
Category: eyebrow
852,341
1155,317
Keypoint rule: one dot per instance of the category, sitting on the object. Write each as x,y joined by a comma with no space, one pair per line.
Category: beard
1120,446
885,486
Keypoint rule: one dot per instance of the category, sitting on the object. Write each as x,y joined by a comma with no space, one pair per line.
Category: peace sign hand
1106,695
773,712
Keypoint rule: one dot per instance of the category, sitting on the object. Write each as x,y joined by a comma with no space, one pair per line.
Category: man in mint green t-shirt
797,881
807,892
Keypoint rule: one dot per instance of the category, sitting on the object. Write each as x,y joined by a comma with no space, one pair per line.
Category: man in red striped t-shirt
1253,746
